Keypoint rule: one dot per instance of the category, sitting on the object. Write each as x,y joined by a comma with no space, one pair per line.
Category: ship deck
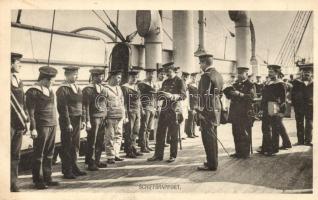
290,171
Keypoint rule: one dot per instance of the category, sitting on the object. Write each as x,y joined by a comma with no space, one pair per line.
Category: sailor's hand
88,126
83,125
125,120
69,128
34,134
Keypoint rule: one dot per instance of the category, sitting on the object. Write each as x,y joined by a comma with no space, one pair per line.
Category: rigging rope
48,61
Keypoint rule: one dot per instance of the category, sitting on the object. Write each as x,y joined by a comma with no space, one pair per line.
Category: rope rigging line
30,34
286,39
48,61
290,60
289,39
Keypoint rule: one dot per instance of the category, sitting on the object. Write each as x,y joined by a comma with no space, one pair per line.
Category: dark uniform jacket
18,92
210,93
131,98
94,101
147,95
193,96
274,92
241,107
41,106
176,87
258,89
69,102
302,95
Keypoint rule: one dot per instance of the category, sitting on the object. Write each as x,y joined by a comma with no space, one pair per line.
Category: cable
48,61
30,33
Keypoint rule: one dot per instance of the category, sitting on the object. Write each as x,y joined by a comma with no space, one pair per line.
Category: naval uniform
170,116
40,102
69,106
16,130
148,105
241,115
272,126
193,103
131,95
114,120
210,91
302,101
94,105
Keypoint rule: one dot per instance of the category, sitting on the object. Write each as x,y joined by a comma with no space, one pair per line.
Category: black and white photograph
181,101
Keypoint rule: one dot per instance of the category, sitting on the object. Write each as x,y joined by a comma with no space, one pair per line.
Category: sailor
185,76
193,103
69,105
302,100
241,113
258,86
273,106
148,89
209,110
40,102
18,126
94,105
116,116
131,94
170,117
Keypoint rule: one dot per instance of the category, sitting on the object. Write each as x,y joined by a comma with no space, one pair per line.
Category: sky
271,29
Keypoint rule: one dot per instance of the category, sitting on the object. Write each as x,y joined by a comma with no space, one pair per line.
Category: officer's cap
48,71
115,71
149,70
136,68
71,68
170,65
307,66
97,71
205,55
133,72
15,56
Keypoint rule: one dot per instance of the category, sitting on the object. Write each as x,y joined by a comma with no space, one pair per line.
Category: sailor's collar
44,90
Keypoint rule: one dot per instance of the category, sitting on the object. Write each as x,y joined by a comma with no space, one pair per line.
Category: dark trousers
16,142
272,128
304,130
43,148
167,124
132,131
95,140
241,134
70,144
190,124
145,128
210,143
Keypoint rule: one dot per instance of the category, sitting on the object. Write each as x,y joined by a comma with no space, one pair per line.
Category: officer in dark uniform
40,102
69,105
302,100
94,105
241,113
132,102
209,111
18,124
170,116
273,106
193,103
148,89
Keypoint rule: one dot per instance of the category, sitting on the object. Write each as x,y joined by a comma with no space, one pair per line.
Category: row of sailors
103,109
